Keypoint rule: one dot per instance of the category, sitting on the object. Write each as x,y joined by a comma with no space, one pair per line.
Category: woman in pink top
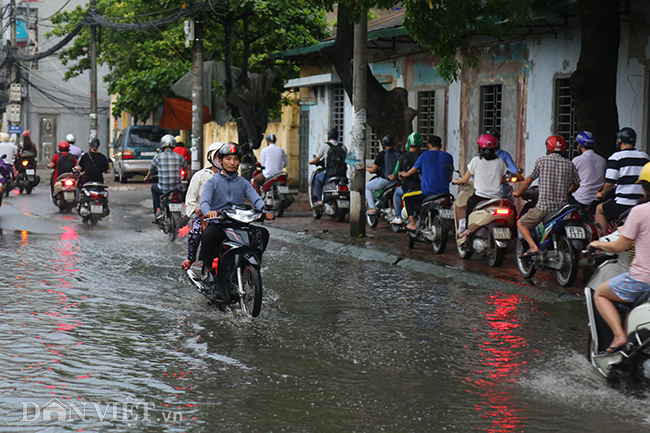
630,285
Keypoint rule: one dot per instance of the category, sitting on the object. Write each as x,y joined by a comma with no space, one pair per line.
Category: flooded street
100,323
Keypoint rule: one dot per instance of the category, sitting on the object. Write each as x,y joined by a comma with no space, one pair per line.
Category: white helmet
212,150
4,137
168,140
70,138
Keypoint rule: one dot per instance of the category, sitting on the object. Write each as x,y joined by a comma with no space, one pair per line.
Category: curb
453,275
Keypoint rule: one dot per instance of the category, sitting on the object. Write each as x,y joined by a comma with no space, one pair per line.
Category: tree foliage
144,64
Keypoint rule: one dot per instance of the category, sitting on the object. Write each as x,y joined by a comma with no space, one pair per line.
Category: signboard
15,129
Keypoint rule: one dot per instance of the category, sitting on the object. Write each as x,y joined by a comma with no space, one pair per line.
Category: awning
177,114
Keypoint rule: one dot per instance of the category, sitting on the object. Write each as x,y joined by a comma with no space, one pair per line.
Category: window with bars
373,144
565,118
490,115
426,113
338,108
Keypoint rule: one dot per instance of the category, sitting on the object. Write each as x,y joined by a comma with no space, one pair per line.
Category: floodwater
100,331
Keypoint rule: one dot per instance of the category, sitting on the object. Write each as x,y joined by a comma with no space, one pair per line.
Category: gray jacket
222,191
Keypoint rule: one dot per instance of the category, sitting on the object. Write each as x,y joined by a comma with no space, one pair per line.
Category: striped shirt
623,170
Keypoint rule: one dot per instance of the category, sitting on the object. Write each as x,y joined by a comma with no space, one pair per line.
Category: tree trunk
388,111
593,84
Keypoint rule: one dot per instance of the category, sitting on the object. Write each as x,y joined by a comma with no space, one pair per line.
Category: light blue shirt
505,156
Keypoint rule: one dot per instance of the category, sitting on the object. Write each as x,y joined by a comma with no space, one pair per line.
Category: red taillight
215,263
96,195
176,196
446,202
25,162
182,173
127,154
343,187
282,178
68,182
575,215
502,212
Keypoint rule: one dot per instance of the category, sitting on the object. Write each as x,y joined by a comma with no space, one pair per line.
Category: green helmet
414,140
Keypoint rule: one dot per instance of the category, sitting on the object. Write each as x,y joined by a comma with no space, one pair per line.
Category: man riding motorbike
222,191
74,149
9,149
404,164
591,170
168,165
323,152
273,159
384,165
62,162
93,164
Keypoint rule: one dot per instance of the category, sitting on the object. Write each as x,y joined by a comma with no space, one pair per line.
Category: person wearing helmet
629,286
558,178
29,147
623,168
506,189
591,170
489,172
435,177
384,164
327,153
273,160
222,191
193,201
182,150
404,164
74,149
62,162
168,165
8,148
93,164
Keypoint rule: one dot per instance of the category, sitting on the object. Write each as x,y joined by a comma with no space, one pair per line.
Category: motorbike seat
95,185
488,202
336,179
436,197
550,217
390,184
167,194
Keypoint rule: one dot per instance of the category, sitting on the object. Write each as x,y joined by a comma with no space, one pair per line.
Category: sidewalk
380,244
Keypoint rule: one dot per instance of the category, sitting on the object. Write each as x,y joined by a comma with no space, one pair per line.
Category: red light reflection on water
501,355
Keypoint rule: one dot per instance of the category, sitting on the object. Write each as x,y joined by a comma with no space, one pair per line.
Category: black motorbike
238,278
336,195
434,219
172,213
385,207
27,178
93,202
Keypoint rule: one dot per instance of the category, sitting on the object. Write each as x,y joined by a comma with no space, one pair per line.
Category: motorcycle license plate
30,171
343,203
501,233
68,195
576,233
96,208
175,207
283,189
447,214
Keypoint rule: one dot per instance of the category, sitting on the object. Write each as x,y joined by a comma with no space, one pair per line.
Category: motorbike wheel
173,224
28,190
252,284
340,215
526,265
463,253
395,228
316,213
372,220
440,245
496,256
93,220
567,275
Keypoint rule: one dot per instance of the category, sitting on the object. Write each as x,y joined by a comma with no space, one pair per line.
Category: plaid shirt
168,165
556,175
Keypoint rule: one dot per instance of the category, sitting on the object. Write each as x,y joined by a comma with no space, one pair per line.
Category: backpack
390,161
335,161
65,164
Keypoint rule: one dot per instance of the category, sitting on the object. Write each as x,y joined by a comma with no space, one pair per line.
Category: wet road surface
103,318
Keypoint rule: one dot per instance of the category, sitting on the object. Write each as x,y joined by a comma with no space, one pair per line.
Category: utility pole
14,67
93,77
13,109
358,147
197,95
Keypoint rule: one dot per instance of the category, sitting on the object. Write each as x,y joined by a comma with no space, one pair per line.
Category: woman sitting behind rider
629,286
489,173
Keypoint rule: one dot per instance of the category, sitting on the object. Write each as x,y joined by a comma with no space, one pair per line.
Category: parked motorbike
93,202
27,178
336,196
172,213
433,219
64,193
631,364
561,236
275,192
385,207
238,278
491,229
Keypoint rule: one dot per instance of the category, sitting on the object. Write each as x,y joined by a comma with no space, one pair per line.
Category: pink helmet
487,141
26,134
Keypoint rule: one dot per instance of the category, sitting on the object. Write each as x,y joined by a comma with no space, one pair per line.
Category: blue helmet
586,139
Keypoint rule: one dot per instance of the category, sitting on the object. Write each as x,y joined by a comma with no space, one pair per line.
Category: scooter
275,192
4,174
10,180
64,193
93,202
631,364
491,229
561,237
172,213
27,178
384,206
433,218
336,195
238,278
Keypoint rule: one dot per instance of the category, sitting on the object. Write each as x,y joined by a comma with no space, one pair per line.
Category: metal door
303,168
47,138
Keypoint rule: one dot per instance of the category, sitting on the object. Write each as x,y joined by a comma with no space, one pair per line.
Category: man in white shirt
591,170
7,148
273,159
